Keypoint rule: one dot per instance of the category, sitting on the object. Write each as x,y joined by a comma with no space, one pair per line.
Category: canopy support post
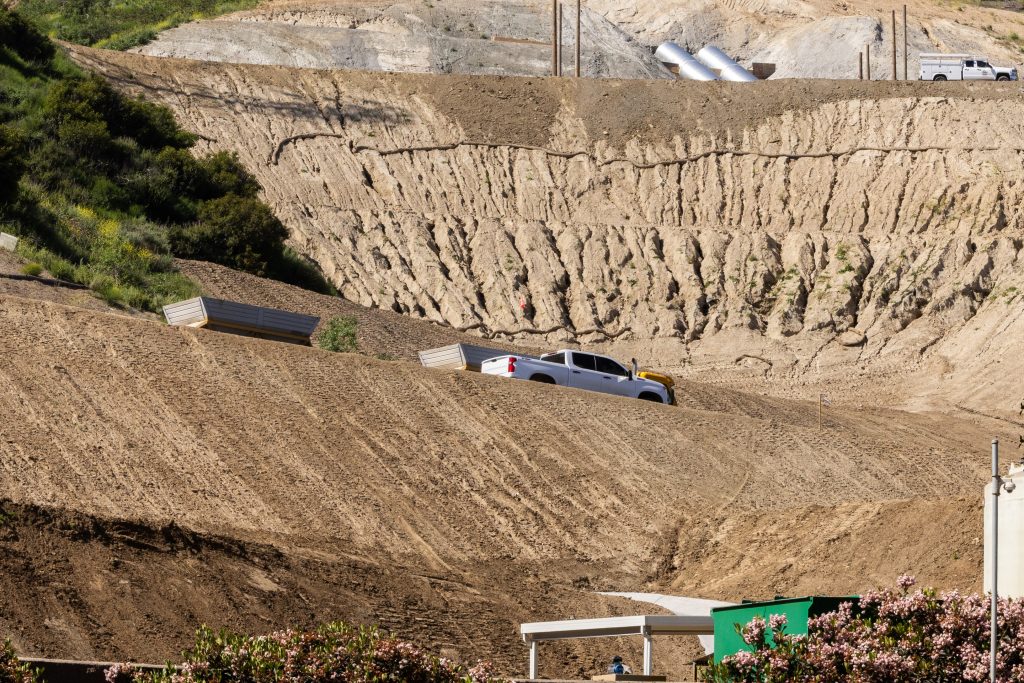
648,651
533,659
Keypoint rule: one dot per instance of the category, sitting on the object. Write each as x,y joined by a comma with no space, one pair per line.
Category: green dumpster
797,611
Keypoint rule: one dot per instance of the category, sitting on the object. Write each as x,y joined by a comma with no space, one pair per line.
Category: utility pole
560,39
578,11
894,76
906,28
997,483
554,37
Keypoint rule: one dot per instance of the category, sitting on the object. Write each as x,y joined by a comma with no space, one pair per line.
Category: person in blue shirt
618,667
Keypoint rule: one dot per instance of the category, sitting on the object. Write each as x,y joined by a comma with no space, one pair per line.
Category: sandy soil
334,463
480,37
119,589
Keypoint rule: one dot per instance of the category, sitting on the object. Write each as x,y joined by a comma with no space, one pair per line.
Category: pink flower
905,581
777,622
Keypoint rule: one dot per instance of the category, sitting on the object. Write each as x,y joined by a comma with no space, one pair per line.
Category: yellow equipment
658,377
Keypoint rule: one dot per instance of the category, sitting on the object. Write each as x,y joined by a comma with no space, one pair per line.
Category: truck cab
940,67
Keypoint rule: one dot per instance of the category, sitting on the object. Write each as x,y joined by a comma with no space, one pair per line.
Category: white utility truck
582,371
939,67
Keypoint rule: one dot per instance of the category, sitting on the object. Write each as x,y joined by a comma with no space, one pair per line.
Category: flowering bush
894,635
334,652
13,671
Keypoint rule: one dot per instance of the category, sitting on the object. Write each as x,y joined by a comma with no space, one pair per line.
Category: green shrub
339,334
32,269
300,271
334,652
100,184
238,232
13,671
12,163
120,25
23,40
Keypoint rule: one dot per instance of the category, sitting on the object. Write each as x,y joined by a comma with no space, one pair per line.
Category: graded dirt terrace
193,476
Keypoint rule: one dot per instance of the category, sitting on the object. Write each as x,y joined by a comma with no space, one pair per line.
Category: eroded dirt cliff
774,227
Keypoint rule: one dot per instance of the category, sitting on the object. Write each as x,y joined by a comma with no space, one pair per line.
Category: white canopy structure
646,626
683,606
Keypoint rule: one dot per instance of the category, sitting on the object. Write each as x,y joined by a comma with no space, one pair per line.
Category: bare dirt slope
115,589
801,231
480,37
803,38
263,440
318,473
384,334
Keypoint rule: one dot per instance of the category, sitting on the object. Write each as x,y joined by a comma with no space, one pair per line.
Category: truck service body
580,370
939,67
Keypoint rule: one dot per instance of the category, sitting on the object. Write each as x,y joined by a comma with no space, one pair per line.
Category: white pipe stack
730,70
670,53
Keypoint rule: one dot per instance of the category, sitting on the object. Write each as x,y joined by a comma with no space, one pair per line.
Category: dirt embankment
498,37
190,476
116,589
323,472
772,228
129,418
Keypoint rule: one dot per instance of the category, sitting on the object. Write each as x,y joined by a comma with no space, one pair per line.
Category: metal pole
648,653
860,66
554,37
533,659
578,38
560,59
867,59
996,484
894,45
906,75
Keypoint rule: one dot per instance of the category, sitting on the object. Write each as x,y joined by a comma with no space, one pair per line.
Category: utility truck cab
939,67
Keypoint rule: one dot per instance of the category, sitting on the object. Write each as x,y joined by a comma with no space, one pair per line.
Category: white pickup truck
582,371
939,67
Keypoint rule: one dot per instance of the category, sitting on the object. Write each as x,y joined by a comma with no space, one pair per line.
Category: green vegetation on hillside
104,190
339,334
120,25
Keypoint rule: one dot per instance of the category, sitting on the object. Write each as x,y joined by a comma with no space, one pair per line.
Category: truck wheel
940,77
543,379
1002,78
648,396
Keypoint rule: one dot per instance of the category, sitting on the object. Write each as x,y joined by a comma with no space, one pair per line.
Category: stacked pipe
730,70
689,67
712,58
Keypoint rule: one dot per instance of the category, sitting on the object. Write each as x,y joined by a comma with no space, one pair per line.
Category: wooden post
906,29
579,9
894,76
554,37
867,60
560,39
860,66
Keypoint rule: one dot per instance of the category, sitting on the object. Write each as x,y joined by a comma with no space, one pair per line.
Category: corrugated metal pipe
670,53
730,70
